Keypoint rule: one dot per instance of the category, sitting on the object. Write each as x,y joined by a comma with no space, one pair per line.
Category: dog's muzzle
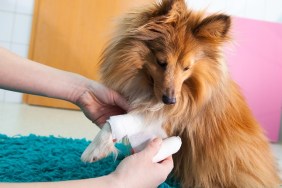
168,100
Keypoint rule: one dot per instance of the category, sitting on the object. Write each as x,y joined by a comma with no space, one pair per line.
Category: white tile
198,4
236,7
22,29
6,45
25,6
20,49
217,6
255,9
13,97
2,95
277,150
274,11
6,23
8,5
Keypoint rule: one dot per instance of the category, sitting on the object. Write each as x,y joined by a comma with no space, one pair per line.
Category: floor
25,119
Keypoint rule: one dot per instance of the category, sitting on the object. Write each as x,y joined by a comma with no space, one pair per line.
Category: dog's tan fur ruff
168,49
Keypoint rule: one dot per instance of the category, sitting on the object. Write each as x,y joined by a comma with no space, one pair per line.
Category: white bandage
126,125
169,146
138,131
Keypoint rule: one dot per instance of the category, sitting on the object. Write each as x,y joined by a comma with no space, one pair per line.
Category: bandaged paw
140,132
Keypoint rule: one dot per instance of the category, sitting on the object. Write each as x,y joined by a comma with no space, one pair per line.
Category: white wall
15,28
266,10
16,18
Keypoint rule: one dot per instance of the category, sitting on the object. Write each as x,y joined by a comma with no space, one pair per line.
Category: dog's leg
101,146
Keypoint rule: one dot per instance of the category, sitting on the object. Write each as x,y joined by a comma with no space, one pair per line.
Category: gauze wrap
138,131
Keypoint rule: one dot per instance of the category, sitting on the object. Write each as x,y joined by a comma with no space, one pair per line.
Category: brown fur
170,50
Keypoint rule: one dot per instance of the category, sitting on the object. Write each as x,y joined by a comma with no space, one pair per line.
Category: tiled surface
20,49
217,5
24,6
15,29
19,6
6,22
22,29
273,11
277,149
259,12
24,120
5,45
7,5
16,18
267,10
236,8
13,97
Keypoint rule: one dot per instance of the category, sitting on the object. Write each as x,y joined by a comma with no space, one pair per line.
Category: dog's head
166,42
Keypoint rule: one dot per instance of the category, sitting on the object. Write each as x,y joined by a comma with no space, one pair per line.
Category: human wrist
115,181
79,85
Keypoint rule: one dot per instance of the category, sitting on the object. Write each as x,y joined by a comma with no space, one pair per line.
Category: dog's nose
168,100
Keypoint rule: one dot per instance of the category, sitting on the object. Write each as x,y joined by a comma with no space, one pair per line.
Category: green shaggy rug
39,159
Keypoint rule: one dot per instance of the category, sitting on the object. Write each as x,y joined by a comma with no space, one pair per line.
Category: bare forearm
101,182
22,75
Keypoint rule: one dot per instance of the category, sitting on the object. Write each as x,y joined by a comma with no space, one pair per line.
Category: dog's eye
162,64
186,68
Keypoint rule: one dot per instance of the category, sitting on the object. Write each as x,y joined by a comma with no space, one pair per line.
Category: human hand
98,103
139,171
95,100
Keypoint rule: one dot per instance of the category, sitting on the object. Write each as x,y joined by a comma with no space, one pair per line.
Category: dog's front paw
100,147
98,150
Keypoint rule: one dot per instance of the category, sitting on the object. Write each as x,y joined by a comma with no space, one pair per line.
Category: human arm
101,182
136,171
22,75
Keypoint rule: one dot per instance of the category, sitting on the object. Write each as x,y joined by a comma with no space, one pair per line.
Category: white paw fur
101,146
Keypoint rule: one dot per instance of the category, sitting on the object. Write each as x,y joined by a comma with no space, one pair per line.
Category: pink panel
255,63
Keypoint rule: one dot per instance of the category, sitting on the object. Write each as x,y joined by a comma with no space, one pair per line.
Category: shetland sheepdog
167,61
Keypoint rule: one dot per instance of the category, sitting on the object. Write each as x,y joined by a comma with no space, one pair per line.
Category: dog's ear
164,7
214,28
165,11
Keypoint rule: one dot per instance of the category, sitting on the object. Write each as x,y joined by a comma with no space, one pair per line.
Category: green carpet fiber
39,159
